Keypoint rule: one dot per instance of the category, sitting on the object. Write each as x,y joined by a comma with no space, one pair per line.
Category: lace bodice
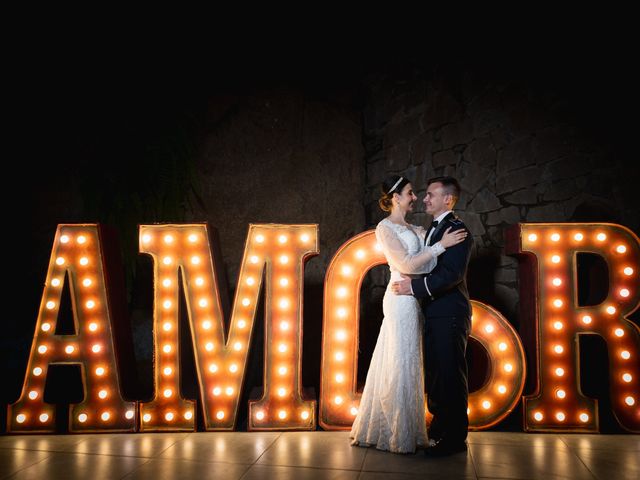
403,246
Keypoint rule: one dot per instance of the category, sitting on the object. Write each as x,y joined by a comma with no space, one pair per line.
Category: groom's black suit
447,314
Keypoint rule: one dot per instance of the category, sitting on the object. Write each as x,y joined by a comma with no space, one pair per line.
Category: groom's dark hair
450,186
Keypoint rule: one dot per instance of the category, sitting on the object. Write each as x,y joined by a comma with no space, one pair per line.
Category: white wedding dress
391,415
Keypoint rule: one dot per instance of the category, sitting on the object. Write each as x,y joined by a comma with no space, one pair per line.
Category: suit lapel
436,232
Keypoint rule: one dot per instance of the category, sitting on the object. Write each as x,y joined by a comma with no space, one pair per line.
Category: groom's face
435,199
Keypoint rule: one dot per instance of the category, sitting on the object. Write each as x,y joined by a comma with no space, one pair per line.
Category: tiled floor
312,455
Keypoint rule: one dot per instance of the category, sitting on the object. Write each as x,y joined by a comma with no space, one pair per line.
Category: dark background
124,134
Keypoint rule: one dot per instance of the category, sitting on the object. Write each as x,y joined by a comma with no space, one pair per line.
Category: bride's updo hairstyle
393,184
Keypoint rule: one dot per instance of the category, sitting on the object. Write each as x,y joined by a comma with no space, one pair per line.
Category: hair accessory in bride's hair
395,185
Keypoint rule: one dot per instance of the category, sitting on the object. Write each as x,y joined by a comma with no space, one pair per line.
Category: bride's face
406,199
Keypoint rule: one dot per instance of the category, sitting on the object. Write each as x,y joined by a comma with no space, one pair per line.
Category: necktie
434,224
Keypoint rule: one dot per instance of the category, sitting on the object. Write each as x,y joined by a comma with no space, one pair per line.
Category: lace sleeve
396,253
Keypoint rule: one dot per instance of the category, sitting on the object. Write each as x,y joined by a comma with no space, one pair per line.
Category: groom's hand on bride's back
402,287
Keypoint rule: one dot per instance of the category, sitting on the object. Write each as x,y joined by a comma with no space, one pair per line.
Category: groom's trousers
446,376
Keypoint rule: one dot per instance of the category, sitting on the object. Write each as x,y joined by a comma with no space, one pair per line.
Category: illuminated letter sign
558,404
220,363
339,400
77,252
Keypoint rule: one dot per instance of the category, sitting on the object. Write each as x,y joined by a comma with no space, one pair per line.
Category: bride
392,413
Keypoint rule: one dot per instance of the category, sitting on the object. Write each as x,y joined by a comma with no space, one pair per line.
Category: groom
447,314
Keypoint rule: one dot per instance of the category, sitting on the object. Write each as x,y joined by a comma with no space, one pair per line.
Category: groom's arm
452,267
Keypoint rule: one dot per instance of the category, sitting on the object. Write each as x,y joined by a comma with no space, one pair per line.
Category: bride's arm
396,253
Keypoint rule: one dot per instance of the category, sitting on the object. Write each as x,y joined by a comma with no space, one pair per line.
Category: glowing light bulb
167,392
625,354
251,281
193,238
282,348
43,417
338,400
538,416
166,348
559,371
621,249
42,349
233,368
627,377
259,238
304,415
82,417
630,400
105,416
555,259
586,319
146,238
557,325
284,325
532,237
188,415
611,309
84,261
254,259
51,305
341,292
557,303
60,261
628,271
206,324
55,282
508,367
69,349
169,416
46,327
209,346
168,239
284,259
146,417
601,237
561,394
129,414
346,270
558,349
260,415
282,239
217,391
624,292
360,254
86,282
557,282
64,239
281,392
195,260
339,356
618,332
246,302
203,302
284,282
167,260
213,368
100,371
242,324
37,371
341,312
93,326
353,411
489,328
96,348
502,389
166,282
166,326
555,237
377,247
237,346
282,370
502,346
102,394
90,304
560,416
20,418
486,404
339,378
584,417
578,237
283,304
199,281
229,391
282,414
341,335
304,237
33,394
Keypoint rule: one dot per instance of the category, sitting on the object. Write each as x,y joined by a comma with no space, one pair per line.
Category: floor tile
259,472
155,469
459,465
